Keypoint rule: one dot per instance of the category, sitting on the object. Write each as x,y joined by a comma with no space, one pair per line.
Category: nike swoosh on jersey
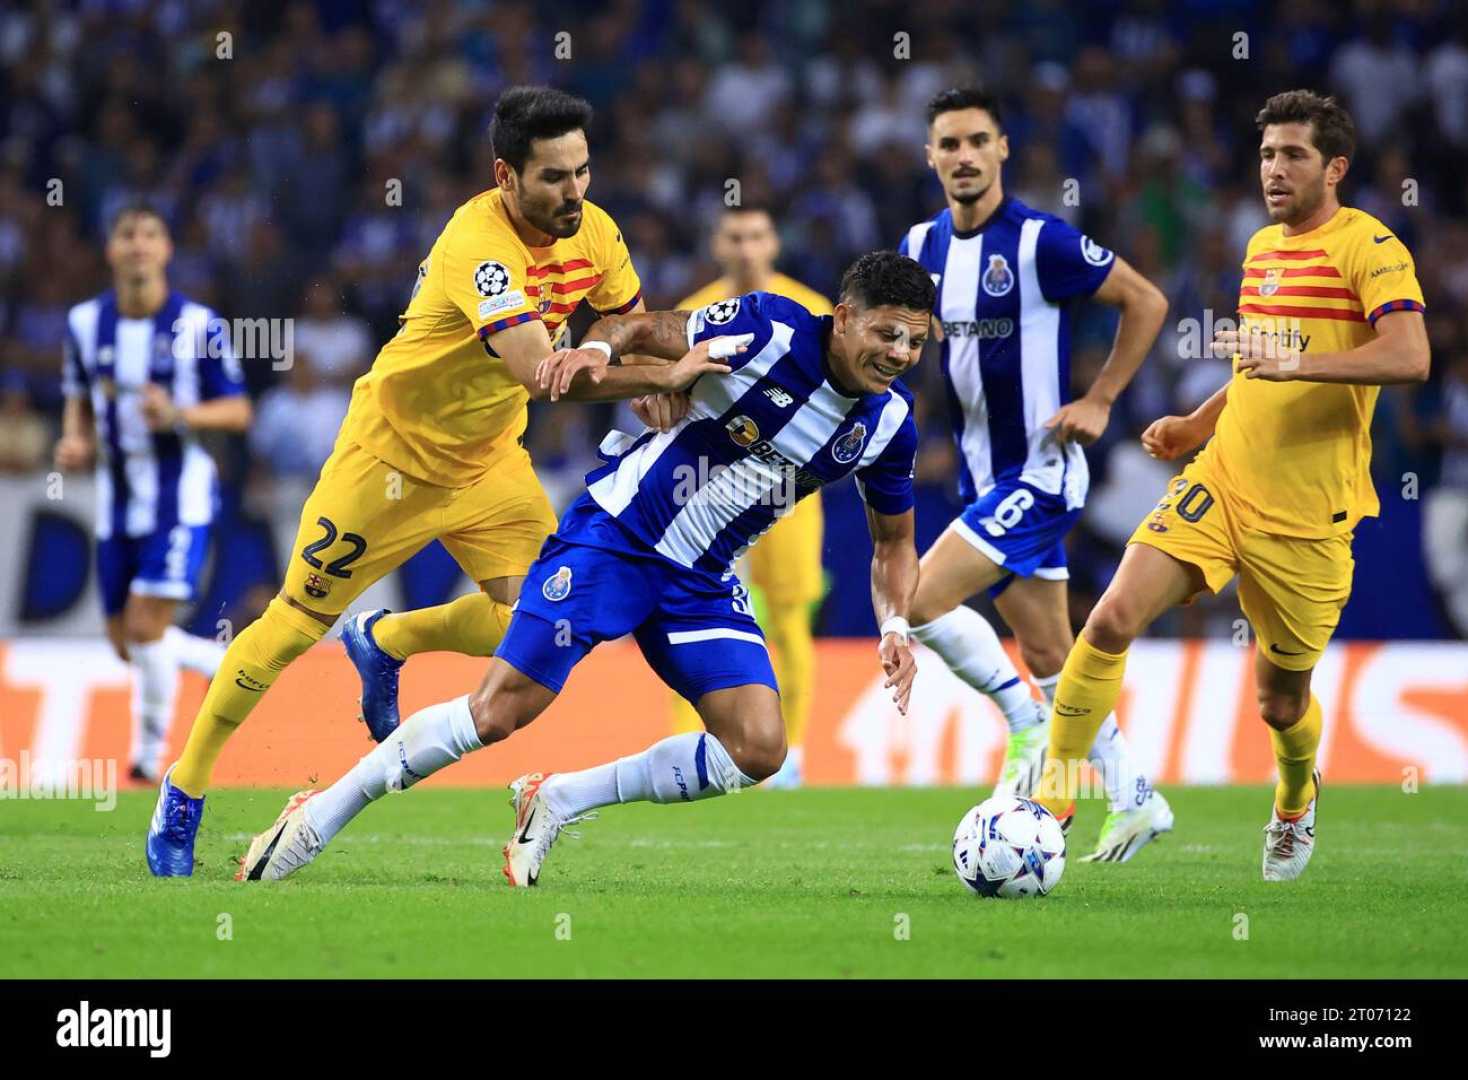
1381,239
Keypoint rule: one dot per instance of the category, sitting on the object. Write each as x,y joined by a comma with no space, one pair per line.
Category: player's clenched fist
74,452
900,666
1172,437
159,411
661,412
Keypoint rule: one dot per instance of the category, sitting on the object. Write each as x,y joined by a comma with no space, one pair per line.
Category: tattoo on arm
663,334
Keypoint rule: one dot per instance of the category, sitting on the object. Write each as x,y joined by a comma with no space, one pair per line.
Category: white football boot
536,829
1024,759
1126,832
1288,845
283,848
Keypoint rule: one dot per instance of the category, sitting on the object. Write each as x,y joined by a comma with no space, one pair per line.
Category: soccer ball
1009,847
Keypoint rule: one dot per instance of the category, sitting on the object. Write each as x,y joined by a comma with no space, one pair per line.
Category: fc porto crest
998,278
743,430
558,585
1270,285
848,448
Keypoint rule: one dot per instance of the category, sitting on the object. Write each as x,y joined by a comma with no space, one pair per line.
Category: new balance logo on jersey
779,397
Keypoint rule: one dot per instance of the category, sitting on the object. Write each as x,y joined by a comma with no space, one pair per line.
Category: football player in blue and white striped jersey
1006,275
781,403
145,370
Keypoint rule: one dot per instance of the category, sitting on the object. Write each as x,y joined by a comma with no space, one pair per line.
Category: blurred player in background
1005,274
649,549
1329,311
145,370
430,449
784,568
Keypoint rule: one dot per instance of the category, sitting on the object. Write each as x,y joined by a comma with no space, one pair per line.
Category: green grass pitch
818,883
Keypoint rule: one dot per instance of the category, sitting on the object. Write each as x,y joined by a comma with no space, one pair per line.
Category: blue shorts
166,563
1021,528
697,632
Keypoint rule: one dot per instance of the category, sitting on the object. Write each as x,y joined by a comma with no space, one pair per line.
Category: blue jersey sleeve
219,368
1069,263
74,379
886,484
752,313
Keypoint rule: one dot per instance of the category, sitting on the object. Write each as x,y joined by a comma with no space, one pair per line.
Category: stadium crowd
307,154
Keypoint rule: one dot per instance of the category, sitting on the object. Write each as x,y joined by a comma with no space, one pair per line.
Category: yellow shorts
364,518
786,563
1291,589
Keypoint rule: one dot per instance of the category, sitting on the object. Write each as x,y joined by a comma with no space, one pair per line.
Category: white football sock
1127,787
968,645
155,681
681,768
422,744
199,654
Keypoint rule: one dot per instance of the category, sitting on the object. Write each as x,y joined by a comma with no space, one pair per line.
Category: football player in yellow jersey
786,564
1329,311
430,449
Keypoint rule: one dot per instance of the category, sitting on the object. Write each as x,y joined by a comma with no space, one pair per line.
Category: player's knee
1282,710
140,626
1114,623
761,756
1043,660
505,702
490,708
924,610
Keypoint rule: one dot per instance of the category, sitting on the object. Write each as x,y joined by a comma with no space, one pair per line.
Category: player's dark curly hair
526,113
964,97
1334,132
880,278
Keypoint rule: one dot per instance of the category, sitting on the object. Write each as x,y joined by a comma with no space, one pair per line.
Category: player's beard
552,223
969,198
1307,201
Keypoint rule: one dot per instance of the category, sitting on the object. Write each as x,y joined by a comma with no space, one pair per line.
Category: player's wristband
897,625
601,345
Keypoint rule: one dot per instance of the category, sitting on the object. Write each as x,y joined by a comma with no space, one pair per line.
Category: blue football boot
172,831
378,671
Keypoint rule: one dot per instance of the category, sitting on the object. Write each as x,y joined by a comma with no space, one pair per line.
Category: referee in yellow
784,568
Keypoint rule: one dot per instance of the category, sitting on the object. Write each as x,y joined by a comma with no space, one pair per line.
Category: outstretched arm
894,581
662,334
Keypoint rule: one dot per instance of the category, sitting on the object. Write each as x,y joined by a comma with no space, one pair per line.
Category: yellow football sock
1294,750
1090,684
788,627
251,664
474,625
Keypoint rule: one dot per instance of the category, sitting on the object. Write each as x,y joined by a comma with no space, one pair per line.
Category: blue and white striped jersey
1002,291
754,442
148,481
